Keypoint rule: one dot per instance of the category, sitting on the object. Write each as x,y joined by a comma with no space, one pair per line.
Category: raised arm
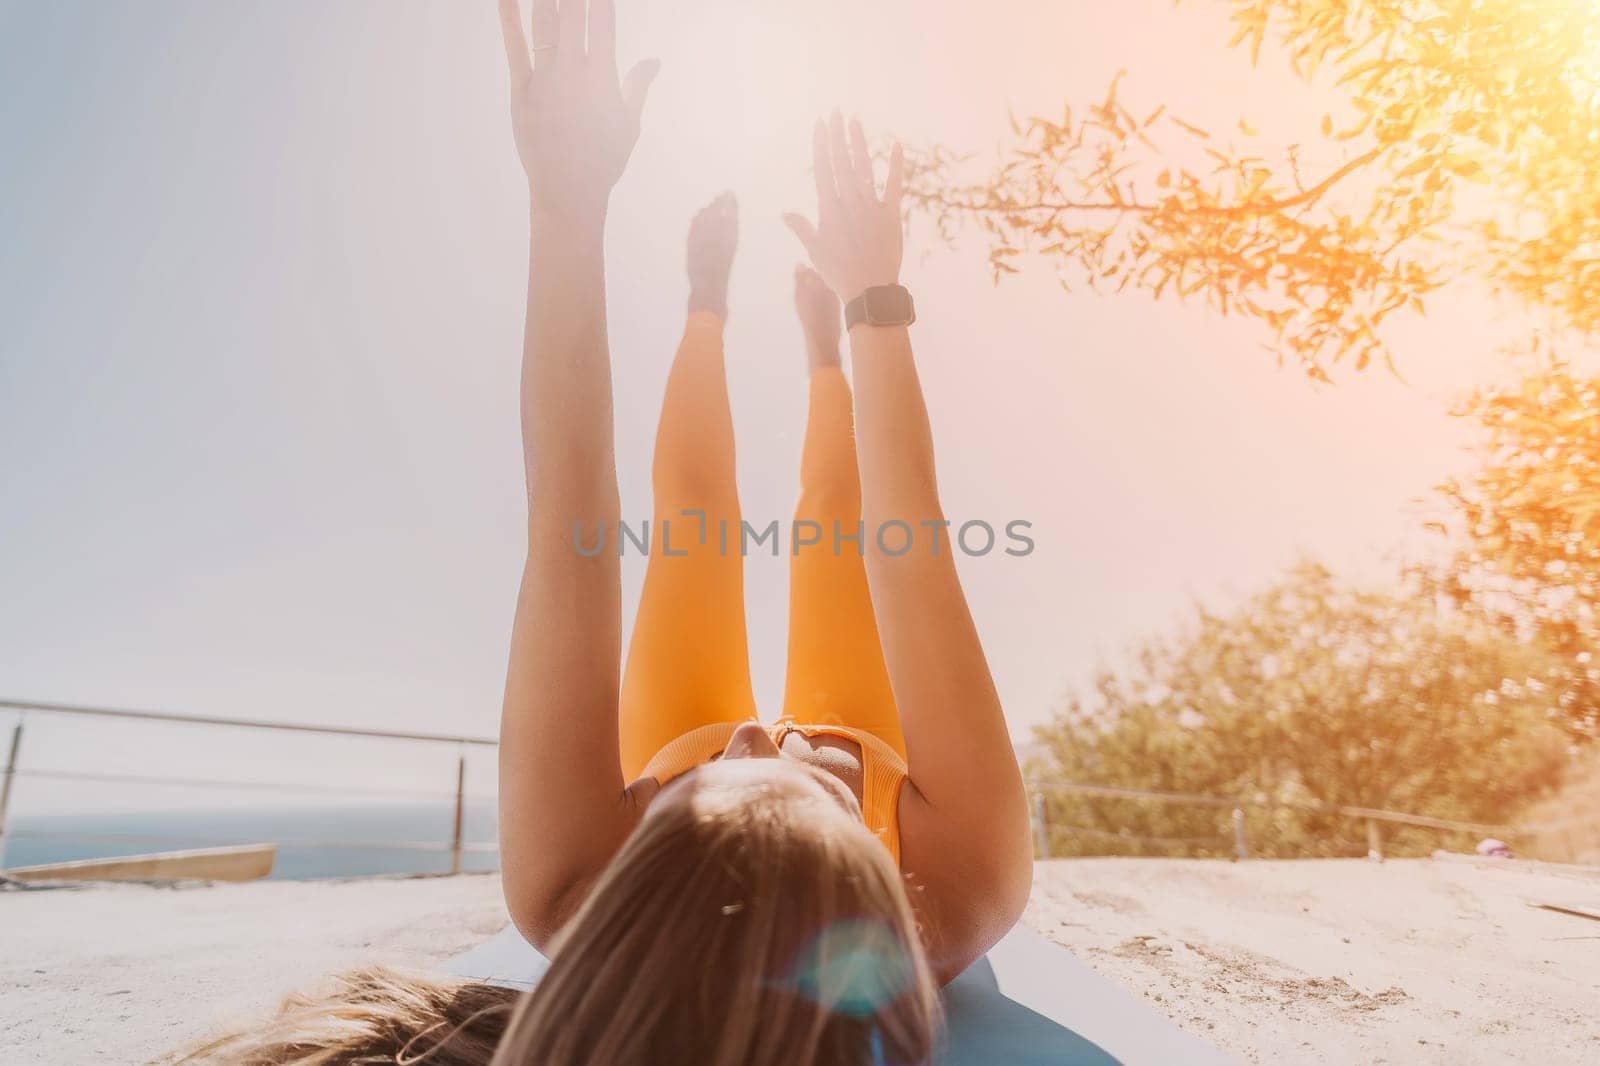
964,825
563,808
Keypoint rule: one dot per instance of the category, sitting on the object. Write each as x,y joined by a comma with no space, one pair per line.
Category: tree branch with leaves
1466,145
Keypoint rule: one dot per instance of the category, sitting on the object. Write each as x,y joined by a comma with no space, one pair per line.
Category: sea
314,842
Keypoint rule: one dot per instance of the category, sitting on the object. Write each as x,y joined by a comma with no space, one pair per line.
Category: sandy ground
1343,961
125,973
1283,962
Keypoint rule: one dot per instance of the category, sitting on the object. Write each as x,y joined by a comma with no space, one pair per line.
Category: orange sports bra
882,769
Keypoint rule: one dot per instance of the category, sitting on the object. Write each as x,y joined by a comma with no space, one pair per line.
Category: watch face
889,305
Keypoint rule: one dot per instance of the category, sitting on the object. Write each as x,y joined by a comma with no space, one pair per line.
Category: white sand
123,973
1282,962
1342,961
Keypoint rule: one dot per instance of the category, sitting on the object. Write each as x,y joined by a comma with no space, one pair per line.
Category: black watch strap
881,305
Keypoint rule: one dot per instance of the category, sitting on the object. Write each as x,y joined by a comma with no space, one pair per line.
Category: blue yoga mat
1027,1002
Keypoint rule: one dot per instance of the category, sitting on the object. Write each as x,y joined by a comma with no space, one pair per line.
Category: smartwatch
881,305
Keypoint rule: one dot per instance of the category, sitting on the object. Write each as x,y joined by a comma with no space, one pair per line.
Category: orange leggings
688,663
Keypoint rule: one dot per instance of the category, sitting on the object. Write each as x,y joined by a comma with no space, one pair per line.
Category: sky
262,267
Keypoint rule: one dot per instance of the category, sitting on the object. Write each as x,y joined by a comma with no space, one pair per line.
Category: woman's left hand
857,241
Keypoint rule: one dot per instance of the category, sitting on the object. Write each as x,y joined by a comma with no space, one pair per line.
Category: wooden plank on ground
1590,911
247,862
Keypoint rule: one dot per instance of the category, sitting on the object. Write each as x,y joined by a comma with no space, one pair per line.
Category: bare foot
713,236
819,318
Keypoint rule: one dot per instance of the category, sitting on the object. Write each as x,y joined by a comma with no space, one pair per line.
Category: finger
803,229
636,86
573,21
822,170
861,163
603,33
545,30
518,58
844,178
895,187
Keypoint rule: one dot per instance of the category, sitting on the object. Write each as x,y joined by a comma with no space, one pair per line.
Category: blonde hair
748,921
373,1015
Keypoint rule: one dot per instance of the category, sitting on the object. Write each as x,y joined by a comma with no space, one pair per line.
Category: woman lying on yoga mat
750,918
710,889
890,712
889,704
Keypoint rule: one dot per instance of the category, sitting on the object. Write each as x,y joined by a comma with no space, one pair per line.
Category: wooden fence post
461,801
1041,827
5,787
1241,849
1374,840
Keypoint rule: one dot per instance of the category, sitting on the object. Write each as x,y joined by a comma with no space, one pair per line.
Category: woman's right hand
574,122
857,241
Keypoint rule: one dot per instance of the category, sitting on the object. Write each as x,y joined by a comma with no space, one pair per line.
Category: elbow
976,926
536,925
998,884
541,907
1015,890
1011,879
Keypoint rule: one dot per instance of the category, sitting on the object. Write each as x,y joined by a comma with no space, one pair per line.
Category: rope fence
1373,818
1044,825
282,787
456,846
189,839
